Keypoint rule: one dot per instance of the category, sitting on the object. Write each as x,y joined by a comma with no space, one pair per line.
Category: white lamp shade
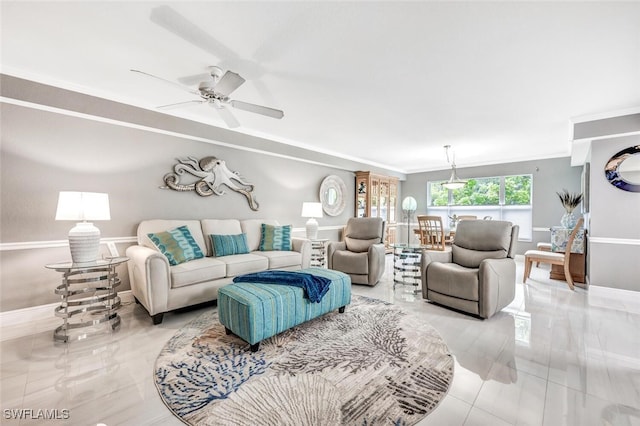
409,204
311,210
454,181
83,206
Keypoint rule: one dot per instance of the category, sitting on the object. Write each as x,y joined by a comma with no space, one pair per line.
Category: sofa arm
429,256
377,254
333,247
150,278
302,246
497,285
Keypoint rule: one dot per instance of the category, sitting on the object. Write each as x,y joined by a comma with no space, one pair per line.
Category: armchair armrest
428,257
150,278
302,246
496,281
376,262
332,247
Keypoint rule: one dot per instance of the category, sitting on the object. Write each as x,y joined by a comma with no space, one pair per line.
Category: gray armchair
478,275
361,254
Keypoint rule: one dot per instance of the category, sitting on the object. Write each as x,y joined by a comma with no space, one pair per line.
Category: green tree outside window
517,190
484,192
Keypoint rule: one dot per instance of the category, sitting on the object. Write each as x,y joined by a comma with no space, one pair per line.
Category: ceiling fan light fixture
207,85
216,72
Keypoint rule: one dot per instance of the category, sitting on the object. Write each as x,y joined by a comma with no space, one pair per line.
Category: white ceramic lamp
312,211
84,238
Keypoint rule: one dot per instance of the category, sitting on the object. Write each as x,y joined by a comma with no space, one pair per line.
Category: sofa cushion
219,227
473,258
361,233
160,225
239,264
226,245
275,237
453,280
281,259
253,228
197,271
359,246
177,245
477,240
350,262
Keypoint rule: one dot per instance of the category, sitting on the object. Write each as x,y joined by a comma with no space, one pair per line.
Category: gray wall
44,151
549,176
614,225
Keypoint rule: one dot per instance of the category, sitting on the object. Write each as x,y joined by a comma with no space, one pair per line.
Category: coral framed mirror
332,192
623,169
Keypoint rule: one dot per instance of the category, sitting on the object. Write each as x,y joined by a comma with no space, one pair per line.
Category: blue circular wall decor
612,170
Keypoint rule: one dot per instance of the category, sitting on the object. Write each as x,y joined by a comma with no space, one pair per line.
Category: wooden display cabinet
377,196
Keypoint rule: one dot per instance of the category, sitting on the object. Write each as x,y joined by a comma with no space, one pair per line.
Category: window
478,192
500,198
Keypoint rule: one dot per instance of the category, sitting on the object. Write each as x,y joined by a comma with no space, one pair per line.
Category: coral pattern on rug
371,365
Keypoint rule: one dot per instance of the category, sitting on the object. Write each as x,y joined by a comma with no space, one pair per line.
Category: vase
568,220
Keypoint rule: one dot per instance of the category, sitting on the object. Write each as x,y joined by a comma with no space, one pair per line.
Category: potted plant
569,201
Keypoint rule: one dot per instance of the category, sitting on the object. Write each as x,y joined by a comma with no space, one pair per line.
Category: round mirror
630,169
332,192
623,169
332,196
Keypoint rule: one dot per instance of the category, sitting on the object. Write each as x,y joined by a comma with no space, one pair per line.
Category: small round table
89,296
406,265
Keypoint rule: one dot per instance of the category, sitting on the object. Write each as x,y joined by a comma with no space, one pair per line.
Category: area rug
373,364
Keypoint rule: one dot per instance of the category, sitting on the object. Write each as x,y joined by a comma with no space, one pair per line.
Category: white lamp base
312,229
84,242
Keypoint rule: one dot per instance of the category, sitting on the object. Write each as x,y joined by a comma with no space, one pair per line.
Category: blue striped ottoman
254,311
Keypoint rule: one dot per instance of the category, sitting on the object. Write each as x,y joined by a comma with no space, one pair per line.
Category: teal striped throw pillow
177,245
225,245
276,238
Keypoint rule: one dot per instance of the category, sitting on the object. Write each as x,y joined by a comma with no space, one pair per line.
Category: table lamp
409,205
312,210
84,238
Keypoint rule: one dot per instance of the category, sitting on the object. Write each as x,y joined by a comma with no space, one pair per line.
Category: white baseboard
23,316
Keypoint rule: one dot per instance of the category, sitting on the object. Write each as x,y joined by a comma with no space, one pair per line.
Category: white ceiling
387,83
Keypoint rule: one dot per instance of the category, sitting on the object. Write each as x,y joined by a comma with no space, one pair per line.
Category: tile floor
553,357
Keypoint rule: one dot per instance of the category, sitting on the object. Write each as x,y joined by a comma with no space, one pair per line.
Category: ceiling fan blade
258,109
227,117
194,79
229,82
174,22
185,88
179,104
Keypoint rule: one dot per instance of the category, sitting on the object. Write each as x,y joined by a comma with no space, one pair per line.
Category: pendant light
454,181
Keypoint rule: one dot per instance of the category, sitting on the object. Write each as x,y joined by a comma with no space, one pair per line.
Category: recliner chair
478,275
361,253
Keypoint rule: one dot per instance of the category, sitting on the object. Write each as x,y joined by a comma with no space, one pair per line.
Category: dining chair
553,258
431,232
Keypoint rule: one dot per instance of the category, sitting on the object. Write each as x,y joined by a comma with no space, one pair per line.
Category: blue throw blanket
315,287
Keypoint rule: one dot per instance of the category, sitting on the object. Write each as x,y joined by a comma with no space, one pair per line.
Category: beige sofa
161,288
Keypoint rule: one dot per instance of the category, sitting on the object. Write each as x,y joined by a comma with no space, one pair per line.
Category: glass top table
406,265
88,297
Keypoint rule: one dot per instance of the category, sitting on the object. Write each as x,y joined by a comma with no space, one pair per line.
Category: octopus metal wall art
212,174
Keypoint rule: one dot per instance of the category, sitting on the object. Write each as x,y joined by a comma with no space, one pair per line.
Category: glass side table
406,265
89,296
319,252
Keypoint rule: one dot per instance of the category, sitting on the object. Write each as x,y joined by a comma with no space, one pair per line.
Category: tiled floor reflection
553,357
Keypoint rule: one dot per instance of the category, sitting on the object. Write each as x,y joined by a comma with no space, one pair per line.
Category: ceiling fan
215,90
